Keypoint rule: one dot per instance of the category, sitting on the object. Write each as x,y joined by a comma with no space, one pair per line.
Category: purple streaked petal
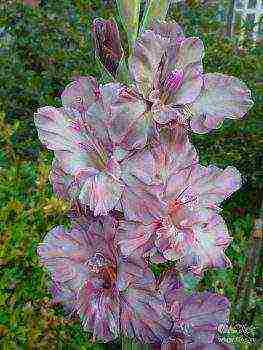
212,185
101,192
65,257
75,149
64,185
174,80
99,310
205,312
133,237
191,85
212,238
143,316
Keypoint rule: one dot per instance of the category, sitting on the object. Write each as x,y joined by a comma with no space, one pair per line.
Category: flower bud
107,44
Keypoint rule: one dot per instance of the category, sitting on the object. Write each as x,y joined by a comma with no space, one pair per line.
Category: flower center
171,84
104,268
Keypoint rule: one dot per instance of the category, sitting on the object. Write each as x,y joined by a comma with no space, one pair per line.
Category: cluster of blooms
125,161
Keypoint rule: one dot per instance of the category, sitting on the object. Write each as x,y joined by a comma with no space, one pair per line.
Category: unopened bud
107,44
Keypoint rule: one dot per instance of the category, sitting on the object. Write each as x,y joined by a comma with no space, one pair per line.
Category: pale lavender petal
143,315
65,256
130,122
140,196
75,149
80,94
173,157
163,114
212,185
190,87
211,240
205,312
134,272
133,237
101,192
170,31
64,185
140,203
146,58
222,97
172,290
191,51
98,309
140,165
196,317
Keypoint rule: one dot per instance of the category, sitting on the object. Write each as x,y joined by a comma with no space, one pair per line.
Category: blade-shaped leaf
129,12
155,10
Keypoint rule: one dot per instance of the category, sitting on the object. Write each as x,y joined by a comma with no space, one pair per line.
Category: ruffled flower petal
101,192
196,317
222,97
169,32
209,186
143,314
140,195
64,185
190,87
75,148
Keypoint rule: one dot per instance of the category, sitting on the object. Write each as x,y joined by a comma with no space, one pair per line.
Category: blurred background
43,46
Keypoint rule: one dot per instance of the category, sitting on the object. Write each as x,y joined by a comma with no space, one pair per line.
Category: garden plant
137,193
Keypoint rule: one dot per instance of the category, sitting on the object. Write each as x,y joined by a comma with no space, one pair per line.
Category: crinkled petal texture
111,294
78,136
186,226
222,97
143,314
196,317
175,345
84,259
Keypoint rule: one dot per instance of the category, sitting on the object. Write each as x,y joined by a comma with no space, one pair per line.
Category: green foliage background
41,50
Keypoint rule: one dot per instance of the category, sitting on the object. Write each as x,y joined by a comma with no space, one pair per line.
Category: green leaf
129,12
189,281
155,11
